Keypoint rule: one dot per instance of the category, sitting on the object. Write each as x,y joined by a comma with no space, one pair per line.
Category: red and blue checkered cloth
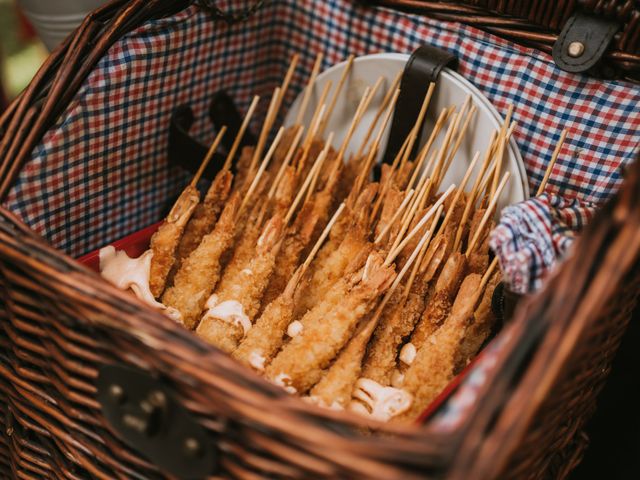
101,172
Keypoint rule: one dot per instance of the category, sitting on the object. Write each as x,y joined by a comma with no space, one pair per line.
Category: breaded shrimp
236,301
335,387
282,149
478,259
267,335
200,272
164,242
205,215
434,366
329,325
297,239
481,326
440,302
350,256
391,204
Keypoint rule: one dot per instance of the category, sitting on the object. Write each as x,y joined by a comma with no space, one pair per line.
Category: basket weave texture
61,322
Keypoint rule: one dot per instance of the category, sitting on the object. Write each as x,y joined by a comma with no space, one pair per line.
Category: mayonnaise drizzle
283,380
408,354
256,360
295,328
321,403
397,379
132,274
383,402
230,311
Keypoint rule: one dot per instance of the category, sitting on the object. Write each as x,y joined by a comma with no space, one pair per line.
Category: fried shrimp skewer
335,387
236,301
199,273
434,367
164,243
205,215
329,325
266,337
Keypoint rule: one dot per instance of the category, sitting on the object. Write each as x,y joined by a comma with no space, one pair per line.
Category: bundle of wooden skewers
352,293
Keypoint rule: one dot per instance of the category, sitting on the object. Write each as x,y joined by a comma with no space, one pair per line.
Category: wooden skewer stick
354,122
266,127
307,181
387,185
395,216
438,170
423,251
488,214
287,159
318,114
501,148
312,185
209,156
308,89
287,80
241,131
394,253
368,95
261,169
552,163
376,143
427,147
334,98
405,268
458,142
474,191
306,145
322,238
415,132
458,194
381,109
513,126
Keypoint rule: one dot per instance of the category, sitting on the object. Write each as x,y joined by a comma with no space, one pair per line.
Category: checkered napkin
532,235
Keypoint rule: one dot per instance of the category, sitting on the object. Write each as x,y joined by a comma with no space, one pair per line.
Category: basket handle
424,67
230,17
186,152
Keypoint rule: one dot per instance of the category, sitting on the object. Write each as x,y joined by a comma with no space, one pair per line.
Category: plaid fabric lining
101,172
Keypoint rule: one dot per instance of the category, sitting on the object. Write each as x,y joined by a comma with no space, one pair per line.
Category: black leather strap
187,153
423,67
223,111
583,41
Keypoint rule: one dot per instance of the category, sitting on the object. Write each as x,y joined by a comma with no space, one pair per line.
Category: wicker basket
62,325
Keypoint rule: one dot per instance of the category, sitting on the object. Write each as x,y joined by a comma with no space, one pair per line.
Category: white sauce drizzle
408,354
247,271
295,328
132,274
321,403
283,380
397,379
256,360
383,402
230,311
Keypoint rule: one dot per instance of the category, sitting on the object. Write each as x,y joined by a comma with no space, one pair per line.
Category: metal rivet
192,447
575,49
116,393
158,398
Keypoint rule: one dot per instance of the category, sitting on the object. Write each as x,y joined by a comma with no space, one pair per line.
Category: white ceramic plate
451,89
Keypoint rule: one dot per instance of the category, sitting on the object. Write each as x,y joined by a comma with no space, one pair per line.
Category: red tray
137,243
